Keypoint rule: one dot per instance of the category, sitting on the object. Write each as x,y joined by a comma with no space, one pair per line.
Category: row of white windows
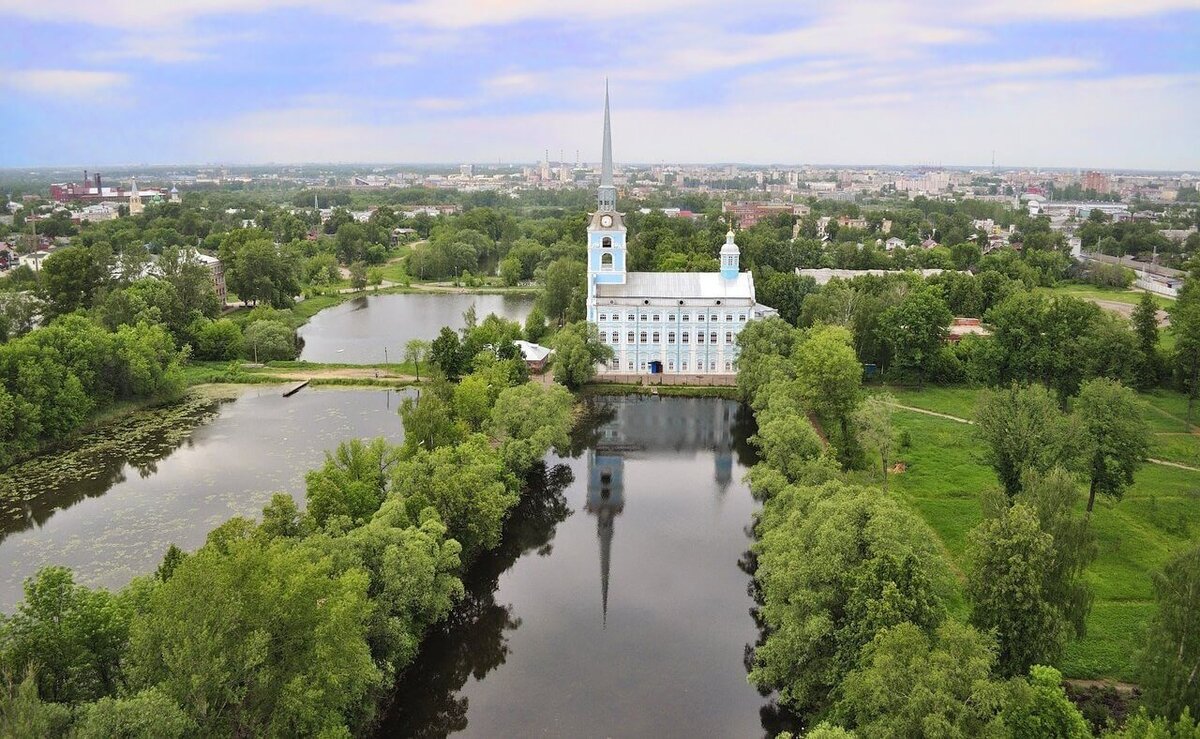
671,317
655,337
683,366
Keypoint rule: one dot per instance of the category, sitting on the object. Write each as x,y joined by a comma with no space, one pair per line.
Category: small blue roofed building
683,323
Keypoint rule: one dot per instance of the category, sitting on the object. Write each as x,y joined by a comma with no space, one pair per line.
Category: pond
619,602
357,331
111,505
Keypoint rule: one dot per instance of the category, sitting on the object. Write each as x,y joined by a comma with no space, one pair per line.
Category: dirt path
1176,465
337,373
1122,688
1126,309
956,419
946,416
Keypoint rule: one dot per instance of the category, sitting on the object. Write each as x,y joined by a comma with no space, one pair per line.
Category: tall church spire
606,198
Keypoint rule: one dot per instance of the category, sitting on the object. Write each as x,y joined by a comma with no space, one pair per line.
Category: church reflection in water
640,425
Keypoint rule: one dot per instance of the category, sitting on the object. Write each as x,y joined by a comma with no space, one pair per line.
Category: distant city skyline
1074,84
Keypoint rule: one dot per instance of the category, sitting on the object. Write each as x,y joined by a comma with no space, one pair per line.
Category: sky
1111,84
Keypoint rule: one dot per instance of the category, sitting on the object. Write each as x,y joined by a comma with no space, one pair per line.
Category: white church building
662,322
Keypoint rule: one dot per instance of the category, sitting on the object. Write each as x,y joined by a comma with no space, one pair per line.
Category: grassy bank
1158,516
319,373
675,391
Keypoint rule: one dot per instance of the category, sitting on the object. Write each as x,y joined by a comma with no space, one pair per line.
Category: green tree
1039,707
1142,726
836,565
1116,438
1054,498
787,442
1011,558
577,351
415,352
1145,327
150,714
413,569
510,271
873,420
258,270
473,401
535,325
70,277
429,422
24,714
829,378
267,340
1169,664
353,482
563,296
258,639
786,292
466,483
764,348
358,275
73,636
446,353
911,685
1023,429
219,340
192,280
1185,325
916,330
529,420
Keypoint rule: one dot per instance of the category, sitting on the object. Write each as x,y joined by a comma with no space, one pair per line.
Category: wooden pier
293,390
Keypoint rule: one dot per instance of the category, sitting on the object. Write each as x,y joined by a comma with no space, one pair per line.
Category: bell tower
606,229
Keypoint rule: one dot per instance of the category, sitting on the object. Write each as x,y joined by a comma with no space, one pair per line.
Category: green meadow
1158,516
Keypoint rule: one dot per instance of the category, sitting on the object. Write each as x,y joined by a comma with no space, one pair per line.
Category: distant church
662,322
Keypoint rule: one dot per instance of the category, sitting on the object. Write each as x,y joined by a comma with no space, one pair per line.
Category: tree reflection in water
473,640
97,461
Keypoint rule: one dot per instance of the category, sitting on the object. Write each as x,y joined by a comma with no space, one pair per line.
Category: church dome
730,247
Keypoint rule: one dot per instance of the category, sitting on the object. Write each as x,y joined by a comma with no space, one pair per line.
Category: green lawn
1158,516
1106,293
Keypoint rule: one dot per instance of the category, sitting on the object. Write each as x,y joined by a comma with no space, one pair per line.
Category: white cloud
1009,10
1082,124
69,83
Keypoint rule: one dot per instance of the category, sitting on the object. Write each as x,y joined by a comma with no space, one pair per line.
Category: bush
1109,275
266,341
219,340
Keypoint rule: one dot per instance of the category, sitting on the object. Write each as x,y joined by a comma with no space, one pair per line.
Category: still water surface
618,605
111,512
357,331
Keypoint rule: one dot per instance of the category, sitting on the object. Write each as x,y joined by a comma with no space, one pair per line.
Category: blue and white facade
662,322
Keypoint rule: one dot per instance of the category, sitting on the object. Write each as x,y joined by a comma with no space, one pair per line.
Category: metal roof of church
695,285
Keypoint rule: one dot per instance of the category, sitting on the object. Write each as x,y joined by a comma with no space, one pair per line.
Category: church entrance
656,367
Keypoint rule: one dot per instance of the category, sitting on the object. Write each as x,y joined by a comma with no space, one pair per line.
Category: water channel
357,331
618,604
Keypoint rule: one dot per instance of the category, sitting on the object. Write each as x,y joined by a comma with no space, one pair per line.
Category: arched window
654,338
606,262
603,337
629,338
642,337
606,242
